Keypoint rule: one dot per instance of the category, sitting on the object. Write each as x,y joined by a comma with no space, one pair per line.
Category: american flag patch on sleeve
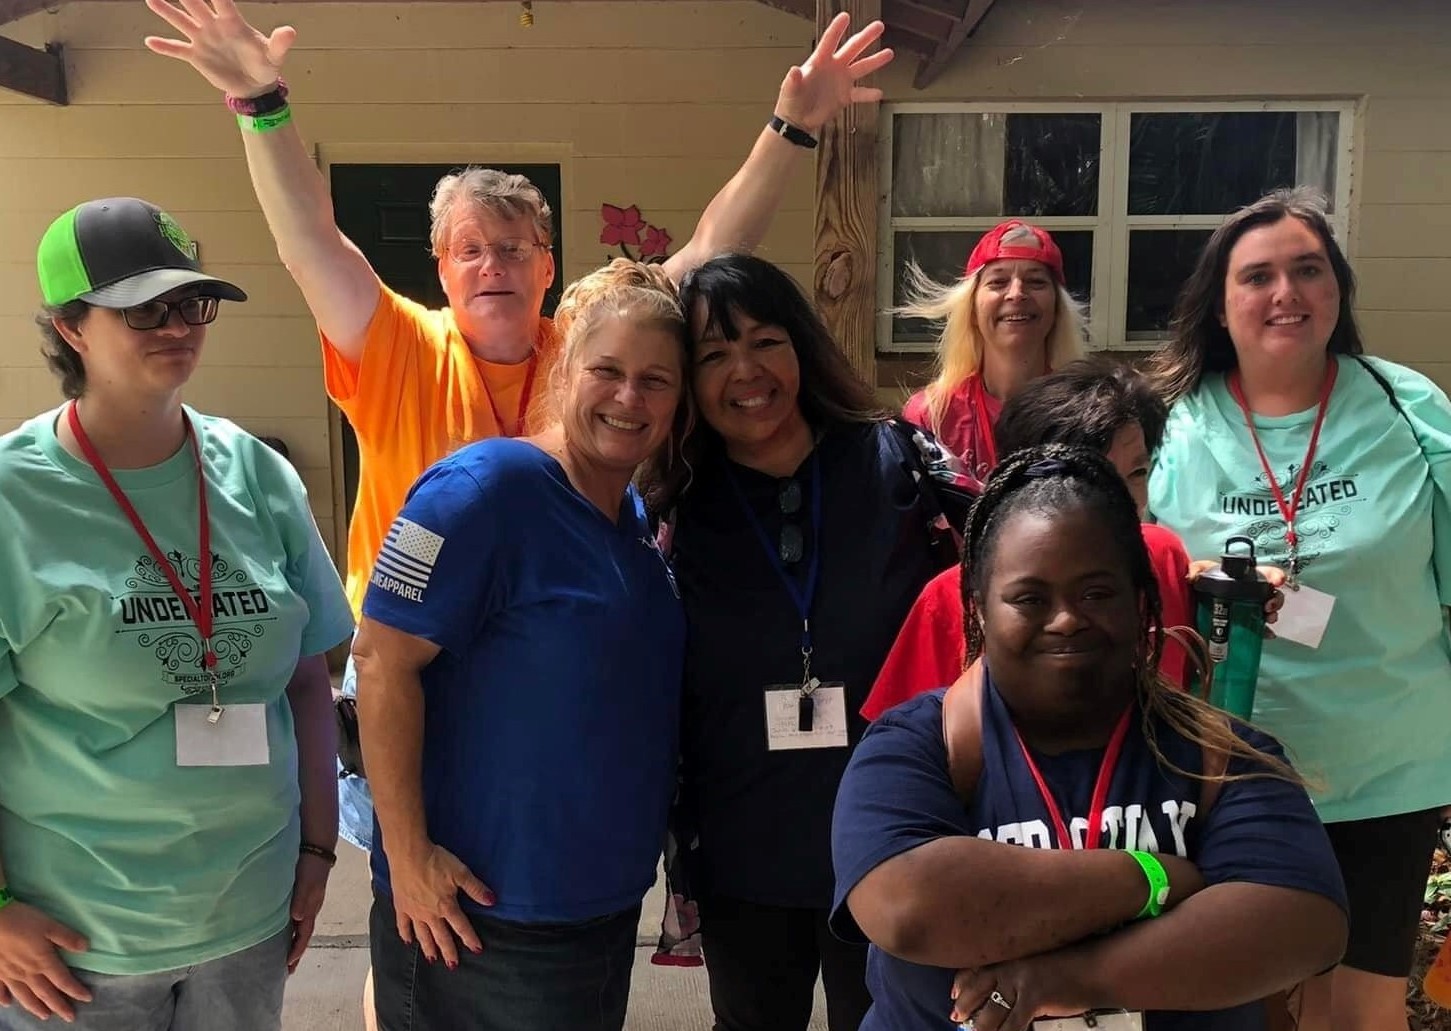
405,563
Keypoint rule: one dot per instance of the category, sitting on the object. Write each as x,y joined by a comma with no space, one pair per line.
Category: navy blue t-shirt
897,794
552,713
765,817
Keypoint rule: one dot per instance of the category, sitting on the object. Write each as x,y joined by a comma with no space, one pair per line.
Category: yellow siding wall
656,104
653,104
1393,59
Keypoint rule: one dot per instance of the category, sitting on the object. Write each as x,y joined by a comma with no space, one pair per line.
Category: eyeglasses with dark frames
194,311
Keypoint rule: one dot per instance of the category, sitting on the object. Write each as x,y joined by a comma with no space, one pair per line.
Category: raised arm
812,94
337,282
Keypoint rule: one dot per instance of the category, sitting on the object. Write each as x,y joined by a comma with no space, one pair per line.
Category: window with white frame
1130,191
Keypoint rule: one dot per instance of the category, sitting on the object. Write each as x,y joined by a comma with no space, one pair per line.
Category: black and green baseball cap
117,252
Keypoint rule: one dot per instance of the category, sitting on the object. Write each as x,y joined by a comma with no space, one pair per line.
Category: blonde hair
643,296
960,346
500,194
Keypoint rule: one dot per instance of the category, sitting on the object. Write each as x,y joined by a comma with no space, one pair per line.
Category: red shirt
931,647
967,424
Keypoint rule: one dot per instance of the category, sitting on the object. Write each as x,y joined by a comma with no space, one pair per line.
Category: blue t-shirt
897,795
551,716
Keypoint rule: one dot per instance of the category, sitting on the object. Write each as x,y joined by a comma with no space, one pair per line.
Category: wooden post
846,214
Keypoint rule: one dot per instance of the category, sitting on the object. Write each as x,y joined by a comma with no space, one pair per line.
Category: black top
764,817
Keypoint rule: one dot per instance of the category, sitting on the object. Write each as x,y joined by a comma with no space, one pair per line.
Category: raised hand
31,972
229,53
815,92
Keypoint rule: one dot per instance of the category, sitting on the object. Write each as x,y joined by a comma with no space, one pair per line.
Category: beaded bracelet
317,850
274,99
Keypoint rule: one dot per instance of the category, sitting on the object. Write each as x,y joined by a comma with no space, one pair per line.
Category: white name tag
1121,1020
238,738
1304,616
783,718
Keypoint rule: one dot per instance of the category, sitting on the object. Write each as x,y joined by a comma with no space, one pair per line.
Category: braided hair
1056,478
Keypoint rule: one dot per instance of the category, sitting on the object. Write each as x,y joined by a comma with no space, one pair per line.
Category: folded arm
967,902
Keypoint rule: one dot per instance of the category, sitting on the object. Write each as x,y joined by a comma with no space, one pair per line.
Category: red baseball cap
991,248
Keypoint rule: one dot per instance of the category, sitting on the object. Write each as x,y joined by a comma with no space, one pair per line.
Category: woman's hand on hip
425,903
31,970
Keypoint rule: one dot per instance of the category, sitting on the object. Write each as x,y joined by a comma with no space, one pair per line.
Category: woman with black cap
167,808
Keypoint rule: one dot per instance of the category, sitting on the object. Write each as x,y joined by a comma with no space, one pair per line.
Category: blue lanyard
803,599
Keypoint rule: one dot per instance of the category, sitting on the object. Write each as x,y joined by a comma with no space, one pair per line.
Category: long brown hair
1054,478
1199,342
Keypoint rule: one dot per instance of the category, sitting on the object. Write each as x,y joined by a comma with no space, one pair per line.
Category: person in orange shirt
416,383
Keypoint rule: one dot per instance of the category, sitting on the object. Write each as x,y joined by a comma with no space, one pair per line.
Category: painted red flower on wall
622,229
657,243
622,225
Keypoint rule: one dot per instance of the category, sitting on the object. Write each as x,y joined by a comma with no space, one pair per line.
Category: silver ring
997,999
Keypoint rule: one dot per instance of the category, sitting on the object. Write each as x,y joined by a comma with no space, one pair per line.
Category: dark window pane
967,164
1210,163
1159,262
1052,165
942,255
947,164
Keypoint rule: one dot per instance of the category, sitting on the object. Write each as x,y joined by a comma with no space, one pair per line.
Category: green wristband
5,897
1158,884
265,123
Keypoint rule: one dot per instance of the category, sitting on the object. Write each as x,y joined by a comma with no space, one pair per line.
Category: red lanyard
1100,786
201,614
985,452
1289,508
523,401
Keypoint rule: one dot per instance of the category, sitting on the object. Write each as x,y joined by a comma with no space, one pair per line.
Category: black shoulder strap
1385,385
962,734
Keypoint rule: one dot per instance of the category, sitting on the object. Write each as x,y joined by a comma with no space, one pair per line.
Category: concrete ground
324,993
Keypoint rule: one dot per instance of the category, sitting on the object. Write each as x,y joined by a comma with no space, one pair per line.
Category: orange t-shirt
418,394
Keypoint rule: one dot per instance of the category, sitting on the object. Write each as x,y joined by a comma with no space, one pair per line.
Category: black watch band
790,133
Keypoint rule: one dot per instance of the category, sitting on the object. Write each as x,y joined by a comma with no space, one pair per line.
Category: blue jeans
240,992
539,977
355,798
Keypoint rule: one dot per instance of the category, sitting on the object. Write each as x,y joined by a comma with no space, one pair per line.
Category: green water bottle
1231,616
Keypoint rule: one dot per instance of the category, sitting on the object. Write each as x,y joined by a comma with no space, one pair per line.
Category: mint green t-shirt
159,866
1368,712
